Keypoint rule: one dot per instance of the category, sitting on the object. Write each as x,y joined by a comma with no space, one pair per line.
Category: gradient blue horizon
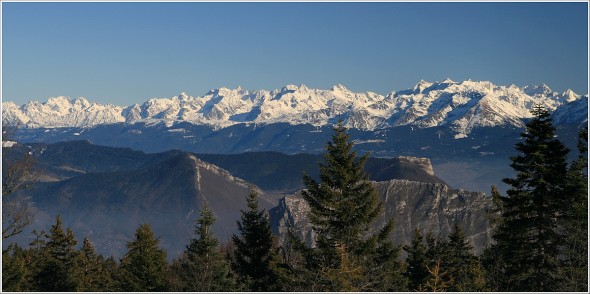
125,53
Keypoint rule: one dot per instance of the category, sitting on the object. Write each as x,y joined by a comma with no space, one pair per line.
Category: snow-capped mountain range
462,106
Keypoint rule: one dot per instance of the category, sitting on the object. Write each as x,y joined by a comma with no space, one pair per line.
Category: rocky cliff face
423,163
428,206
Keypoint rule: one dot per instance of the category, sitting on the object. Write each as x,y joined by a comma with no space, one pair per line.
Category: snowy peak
466,105
533,90
61,112
570,96
575,111
421,86
462,106
339,88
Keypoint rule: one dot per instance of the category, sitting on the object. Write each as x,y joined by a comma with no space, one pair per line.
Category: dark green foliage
574,264
93,273
254,248
16,269
53,264
386,270
439,265
417,263
344,205
57,261
436,249
343,185
144,267
528,235
205,243
292,268
204,268
463,268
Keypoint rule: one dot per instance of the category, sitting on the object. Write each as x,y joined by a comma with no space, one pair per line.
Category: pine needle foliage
344,203
144,266
205,268
528,236
254,248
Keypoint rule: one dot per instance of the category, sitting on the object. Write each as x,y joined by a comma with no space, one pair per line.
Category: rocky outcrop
429,206
423,163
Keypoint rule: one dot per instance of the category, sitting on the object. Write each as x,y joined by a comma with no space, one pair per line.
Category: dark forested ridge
537,243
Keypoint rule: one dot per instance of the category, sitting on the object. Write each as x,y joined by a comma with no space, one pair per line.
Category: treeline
540,239
252,261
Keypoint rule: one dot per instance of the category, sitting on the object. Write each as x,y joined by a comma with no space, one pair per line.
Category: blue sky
124,53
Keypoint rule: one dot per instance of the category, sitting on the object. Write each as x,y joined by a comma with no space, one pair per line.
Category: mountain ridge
462,106
105,198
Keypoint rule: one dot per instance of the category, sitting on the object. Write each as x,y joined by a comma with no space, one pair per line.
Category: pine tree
344,203
293,269
462,266
92,274
435,249
386,269
16,271
143,268
254,248
205,269
417,263
344,206
528,236
574,264
57,264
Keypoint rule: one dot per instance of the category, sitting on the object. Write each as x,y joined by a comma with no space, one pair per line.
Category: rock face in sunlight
427,206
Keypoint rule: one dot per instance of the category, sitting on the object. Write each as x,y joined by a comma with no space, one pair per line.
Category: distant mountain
273,171
473,163
105,193
573,112
108,206
460,106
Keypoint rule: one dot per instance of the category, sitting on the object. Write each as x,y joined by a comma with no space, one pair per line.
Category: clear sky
124,53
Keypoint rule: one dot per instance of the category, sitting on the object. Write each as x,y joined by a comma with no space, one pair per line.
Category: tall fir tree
92,274
574,263
254,252
385,269
344,206
57,264
463,268
378,264
417,263
144,266
528,235
205,268
344,203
